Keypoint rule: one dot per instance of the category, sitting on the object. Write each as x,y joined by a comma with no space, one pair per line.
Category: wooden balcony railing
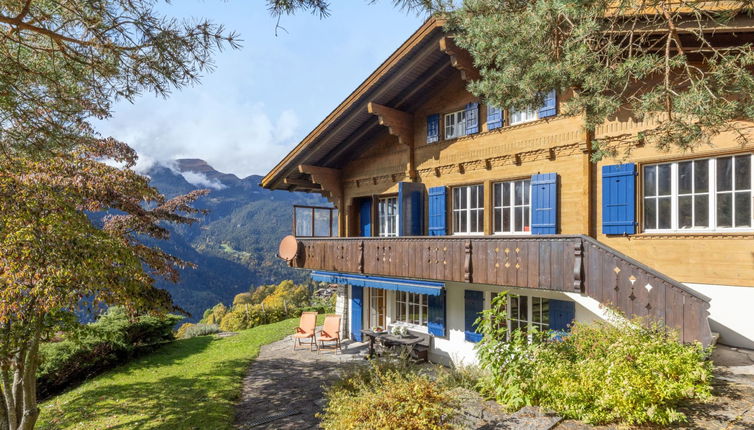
576,264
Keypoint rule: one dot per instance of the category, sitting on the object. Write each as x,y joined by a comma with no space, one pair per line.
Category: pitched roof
398,82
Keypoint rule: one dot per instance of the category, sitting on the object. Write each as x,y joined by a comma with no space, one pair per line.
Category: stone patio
285,387
284,390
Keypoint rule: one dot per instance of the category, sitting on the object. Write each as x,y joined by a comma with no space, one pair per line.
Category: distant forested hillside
235,244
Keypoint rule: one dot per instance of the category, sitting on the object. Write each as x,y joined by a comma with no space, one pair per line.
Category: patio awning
395,284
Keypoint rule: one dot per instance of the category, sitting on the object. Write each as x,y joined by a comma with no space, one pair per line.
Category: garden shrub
387,396
632,372
200,330
113,339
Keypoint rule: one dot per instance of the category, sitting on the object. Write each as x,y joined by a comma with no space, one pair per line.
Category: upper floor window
468,209
455,124
512,206
708,194
411,308
521,116
387,212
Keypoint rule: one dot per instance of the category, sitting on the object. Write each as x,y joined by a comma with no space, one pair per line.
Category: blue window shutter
437,211
436,311
544,201
365,218
562,314
433,128
550,107
473,305
494,117
472,118
410,209
357,311
619,199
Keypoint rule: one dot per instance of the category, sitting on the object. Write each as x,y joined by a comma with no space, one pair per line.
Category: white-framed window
522,116
512,206
455,124
526,311
411,308
387,212
468,209
710,194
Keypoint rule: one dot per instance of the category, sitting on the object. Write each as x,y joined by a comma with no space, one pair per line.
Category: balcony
575,264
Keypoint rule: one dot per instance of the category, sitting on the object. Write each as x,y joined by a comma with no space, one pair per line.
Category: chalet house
444,201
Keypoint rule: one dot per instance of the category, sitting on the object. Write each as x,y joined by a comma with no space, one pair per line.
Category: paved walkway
284,388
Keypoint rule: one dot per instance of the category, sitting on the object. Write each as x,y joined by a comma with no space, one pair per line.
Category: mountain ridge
235,244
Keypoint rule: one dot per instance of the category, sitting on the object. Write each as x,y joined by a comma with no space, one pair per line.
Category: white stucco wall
731,313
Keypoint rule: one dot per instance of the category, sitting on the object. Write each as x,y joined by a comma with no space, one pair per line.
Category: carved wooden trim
459,59
329,179
399,124
578,253
467,269
361,256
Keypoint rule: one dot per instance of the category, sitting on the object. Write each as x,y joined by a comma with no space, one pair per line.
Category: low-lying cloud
233,135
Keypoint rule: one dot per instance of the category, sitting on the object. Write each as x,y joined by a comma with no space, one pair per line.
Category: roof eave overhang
276,178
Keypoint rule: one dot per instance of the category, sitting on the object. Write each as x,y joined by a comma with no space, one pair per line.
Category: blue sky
262,99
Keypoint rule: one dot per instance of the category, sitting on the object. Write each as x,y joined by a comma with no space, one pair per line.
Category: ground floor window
411,308
525,312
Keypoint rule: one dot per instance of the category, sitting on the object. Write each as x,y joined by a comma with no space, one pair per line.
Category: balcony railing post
467,272
578,253
361,256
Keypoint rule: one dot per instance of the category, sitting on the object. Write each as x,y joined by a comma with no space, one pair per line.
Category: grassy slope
188,384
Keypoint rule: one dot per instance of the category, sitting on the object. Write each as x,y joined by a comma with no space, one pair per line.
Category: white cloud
233,135
200,180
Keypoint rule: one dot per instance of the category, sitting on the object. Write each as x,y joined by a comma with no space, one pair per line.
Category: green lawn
188,384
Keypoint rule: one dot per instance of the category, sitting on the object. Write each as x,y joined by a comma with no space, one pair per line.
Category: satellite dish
288,249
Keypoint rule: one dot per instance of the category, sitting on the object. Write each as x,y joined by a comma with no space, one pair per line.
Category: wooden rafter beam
329,179
460,59
302,183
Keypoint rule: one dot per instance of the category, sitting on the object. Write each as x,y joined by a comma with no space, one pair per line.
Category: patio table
389,339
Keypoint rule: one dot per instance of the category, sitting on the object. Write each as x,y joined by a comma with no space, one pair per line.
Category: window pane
701,176
473,221
684,178
497,193
498,219
536,309
664,215
527,191
464,222
526,218
684,212
663,179
519,219
507,194
507,219
523,308
743,209
724,166
480,220
701,211
743,173
456,198
650,213
724,210
519,192
650,180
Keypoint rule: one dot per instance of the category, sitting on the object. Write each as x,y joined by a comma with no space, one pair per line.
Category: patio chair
305,330
330,332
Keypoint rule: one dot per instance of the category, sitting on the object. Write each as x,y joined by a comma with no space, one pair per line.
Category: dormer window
455,124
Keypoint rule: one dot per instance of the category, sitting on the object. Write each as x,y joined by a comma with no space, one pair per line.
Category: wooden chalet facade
445,201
